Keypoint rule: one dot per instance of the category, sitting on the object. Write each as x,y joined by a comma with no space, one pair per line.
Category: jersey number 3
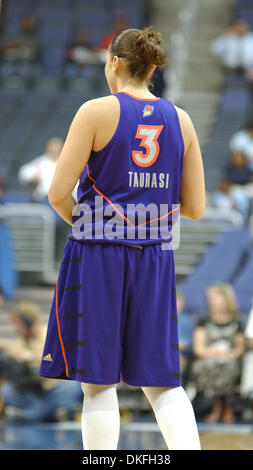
148,136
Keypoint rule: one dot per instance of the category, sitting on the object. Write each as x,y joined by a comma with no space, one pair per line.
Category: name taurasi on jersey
148,180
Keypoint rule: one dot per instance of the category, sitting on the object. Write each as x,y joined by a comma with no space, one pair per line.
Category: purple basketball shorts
114,316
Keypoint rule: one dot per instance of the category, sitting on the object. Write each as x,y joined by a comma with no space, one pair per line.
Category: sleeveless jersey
129,191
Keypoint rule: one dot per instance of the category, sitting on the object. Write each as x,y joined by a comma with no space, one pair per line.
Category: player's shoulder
186,122
98,110
187,127
182,114
100,105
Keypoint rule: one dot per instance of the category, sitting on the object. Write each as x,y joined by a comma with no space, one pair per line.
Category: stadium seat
235,100
21,195
53,59
243,285
221,264
8,274
244,4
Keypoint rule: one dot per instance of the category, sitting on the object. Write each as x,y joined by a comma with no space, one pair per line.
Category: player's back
129,188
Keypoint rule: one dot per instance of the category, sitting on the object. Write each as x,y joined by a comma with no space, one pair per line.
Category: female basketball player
113,315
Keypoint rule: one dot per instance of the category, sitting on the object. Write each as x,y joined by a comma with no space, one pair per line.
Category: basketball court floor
135,435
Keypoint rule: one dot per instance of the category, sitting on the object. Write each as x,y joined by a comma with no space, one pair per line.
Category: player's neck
139,90
142,92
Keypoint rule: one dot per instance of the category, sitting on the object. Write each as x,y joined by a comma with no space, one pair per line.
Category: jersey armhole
115,132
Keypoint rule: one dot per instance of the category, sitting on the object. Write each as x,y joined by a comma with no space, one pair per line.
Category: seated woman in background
218,345
242,141
238,170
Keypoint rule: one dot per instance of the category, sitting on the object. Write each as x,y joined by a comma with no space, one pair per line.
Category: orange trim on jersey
88,173
108,200
122,215
159,218
141,99
59,331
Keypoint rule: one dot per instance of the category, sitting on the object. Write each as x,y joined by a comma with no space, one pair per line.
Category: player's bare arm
192,193
81,139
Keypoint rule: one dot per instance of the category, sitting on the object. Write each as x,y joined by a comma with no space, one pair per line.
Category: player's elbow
197,208
54,197
195,217
196,214
192,212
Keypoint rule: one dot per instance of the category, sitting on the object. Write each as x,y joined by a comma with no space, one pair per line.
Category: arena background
42,84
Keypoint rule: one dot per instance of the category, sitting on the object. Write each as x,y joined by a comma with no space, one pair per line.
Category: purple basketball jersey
114,311
127,191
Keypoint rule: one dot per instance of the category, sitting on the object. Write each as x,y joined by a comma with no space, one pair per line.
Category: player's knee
99,397
157,395
155,390
95,389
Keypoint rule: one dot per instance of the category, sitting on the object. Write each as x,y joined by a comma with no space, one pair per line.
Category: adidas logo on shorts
47,358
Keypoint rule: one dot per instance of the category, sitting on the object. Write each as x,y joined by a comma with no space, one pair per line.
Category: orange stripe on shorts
59,331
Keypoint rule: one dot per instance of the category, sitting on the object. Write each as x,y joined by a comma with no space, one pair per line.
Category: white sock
100,417
175,417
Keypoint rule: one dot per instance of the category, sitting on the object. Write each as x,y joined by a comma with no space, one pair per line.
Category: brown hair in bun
141,48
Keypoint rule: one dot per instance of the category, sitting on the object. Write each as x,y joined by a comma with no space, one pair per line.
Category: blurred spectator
242,141
228,196
238,171
246,388
121,23
26,395
20,55
40,171
79,56
185,329
218,345
235,47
